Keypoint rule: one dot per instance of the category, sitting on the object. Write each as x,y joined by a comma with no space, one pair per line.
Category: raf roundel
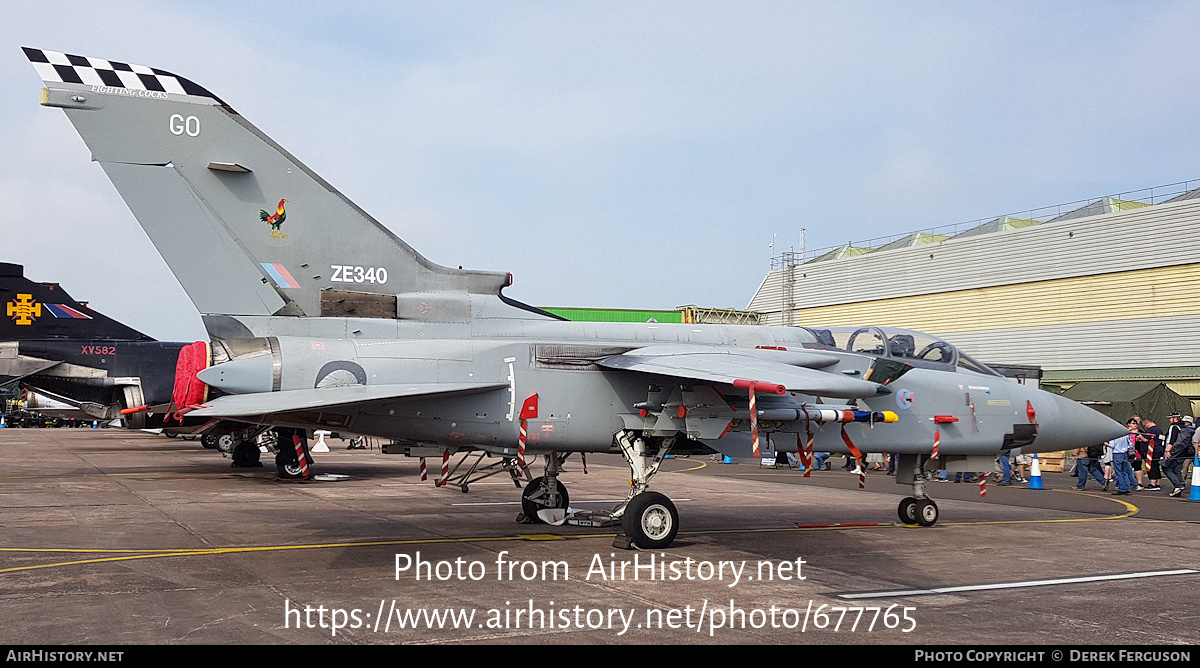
905,399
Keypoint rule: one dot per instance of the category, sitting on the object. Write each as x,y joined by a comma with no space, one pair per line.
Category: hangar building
1100,290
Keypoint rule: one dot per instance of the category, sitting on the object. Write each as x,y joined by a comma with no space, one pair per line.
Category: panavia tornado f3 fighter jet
321,318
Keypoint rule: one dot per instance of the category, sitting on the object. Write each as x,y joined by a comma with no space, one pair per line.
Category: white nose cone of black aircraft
320,317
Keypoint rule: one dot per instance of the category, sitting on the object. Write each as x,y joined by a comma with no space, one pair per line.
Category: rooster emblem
276,220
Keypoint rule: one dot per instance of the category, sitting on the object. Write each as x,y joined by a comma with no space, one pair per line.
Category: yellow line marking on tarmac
1131,510
694,468
276,548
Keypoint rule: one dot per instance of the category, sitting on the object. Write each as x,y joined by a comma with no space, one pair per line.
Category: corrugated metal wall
1112,291
1155,236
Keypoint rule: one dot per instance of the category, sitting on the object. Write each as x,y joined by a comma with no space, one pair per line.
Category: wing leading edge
264,403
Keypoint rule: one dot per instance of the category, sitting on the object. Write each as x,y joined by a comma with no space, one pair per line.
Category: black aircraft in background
61,348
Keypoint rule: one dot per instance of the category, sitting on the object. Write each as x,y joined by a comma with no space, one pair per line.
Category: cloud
620,154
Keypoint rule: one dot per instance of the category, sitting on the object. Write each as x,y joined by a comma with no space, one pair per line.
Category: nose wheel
917,509
923,512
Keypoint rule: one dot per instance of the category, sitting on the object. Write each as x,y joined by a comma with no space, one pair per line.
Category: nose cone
245,375
1064,424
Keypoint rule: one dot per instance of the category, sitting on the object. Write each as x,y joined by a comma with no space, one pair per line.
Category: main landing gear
918,508
649,521
546,493
288,463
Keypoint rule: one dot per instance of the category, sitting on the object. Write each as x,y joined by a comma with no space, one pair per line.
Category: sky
616,154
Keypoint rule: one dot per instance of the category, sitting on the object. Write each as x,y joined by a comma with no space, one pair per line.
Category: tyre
246,456
534,498
287,467
651,521
927,512
907,510
209,441
227,442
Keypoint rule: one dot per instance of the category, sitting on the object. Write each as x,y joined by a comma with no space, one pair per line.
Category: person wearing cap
1175,420
1175,423
1178,452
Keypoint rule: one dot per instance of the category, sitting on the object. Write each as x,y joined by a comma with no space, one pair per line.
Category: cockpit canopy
916,348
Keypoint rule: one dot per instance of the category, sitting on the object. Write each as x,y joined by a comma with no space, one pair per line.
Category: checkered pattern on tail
55,67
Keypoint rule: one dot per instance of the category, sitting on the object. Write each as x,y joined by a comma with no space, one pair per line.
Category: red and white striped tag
521,445
754,424
300,456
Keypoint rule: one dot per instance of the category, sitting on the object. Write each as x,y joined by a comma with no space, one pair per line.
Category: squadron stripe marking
279,273
64,311
1015,585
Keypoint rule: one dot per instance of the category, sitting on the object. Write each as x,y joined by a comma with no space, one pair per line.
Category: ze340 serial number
346,273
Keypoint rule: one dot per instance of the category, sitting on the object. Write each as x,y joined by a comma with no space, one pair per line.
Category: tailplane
246,228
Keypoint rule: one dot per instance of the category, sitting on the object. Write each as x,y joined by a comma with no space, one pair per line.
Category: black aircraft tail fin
45,311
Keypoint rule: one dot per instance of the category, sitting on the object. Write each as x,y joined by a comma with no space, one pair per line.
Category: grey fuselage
583,405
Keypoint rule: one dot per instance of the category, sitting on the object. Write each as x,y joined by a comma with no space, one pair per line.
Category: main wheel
209,441
927,512
227,442
534,498
287,467
907,510
246,456
651,521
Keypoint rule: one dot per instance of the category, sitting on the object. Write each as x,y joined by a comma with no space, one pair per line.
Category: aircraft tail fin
245,226
45,311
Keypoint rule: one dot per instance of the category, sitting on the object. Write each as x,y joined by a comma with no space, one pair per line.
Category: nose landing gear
918,508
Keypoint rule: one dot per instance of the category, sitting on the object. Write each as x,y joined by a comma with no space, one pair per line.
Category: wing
791,370
273,403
